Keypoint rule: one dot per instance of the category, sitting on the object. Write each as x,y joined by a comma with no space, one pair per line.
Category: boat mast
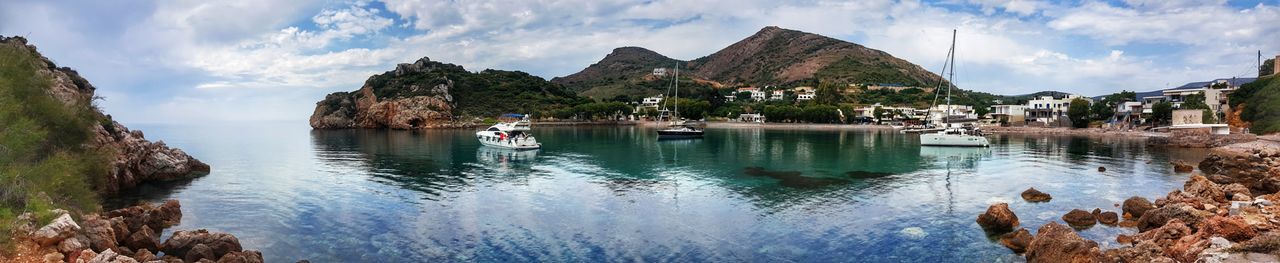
950,78
677,87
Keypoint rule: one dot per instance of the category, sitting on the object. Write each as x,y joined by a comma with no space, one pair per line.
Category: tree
1194,102
1161,112
1106,107
742,96
827,94
877,113
1078,112
1267,68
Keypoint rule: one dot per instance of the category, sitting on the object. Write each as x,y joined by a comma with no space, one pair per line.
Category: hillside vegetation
1261,104
486,93
43,164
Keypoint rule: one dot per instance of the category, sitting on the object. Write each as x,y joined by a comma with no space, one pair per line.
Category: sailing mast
677,92
950,79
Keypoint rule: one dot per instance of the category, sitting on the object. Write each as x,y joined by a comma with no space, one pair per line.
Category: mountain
780,56
427,94
772,56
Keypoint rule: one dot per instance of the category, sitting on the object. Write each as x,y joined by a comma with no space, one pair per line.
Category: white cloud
222,56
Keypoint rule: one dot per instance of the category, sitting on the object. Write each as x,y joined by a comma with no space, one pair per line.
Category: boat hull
514,146
673,135
934,139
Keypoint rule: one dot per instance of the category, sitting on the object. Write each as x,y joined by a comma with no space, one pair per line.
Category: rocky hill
60,103
772,56
431,94
625,67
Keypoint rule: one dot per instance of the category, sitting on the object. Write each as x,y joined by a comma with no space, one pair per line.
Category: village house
1215,92
756,93
1051,111
804,92
1008,114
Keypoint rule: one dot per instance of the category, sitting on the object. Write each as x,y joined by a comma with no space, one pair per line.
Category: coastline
796,126
1070,131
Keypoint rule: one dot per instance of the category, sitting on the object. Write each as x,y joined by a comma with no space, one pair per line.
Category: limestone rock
998,218
182,242
1017,240
143,239
1033,195
1137,206
1079,218
247,256
61,228
1182,167
1108,218
1058,243
98,233
1160,216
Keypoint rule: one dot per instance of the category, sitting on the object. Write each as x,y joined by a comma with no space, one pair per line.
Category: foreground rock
1035,196
1017,240
998,219
1058,243
1256,165
130,235
1137,206
1079,218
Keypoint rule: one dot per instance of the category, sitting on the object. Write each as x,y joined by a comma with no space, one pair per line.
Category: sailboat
953,134
678,129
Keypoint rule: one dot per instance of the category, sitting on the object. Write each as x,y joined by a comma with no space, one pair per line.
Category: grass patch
43,163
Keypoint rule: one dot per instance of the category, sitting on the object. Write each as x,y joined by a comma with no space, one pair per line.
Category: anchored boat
677,129
509,135
953,134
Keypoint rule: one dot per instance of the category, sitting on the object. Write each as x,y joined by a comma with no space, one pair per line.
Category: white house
1215,92
756,94
1006,113
777,95
1050,110
804,93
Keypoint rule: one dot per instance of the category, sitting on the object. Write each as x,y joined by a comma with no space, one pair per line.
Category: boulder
53,257
1058,243
247,256
1136,206
1108,218
218,243
144,239
1232,228
61,228
1102,169
1017,240
1079,218
1124,239
1159,216
156,217
1165,234
1201,187
98,233
198,252
144,255
1237,192
1035,196
998,219
71,245
1182,167
1140,252
1268,242
83,256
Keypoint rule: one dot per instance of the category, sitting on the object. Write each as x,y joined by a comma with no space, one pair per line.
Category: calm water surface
618,194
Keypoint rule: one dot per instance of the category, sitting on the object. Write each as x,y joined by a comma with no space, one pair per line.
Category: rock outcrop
1256,165
1058,243
133,159
1035,196
414,106
998,219
1079,218
1136,206
130,235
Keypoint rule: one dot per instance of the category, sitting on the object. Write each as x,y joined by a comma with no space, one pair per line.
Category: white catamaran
678,129
510,135
953,134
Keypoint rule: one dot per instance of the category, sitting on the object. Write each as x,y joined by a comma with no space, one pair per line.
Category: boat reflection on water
966,157
505,159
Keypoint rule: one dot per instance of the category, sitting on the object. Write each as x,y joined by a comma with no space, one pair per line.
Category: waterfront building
1011,114
1050,110
1215,92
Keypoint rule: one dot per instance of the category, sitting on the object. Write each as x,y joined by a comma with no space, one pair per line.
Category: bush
43,163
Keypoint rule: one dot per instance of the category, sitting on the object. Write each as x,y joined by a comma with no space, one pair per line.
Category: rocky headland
429,94
1226,214
82,234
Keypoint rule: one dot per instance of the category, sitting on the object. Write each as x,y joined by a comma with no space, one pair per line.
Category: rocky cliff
133,159
431,94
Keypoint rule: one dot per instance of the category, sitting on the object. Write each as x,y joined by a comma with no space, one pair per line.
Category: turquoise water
618,194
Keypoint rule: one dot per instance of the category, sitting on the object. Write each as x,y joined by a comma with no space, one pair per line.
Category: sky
271,60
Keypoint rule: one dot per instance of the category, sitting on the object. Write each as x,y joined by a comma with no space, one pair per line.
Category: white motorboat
953,134
510,135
